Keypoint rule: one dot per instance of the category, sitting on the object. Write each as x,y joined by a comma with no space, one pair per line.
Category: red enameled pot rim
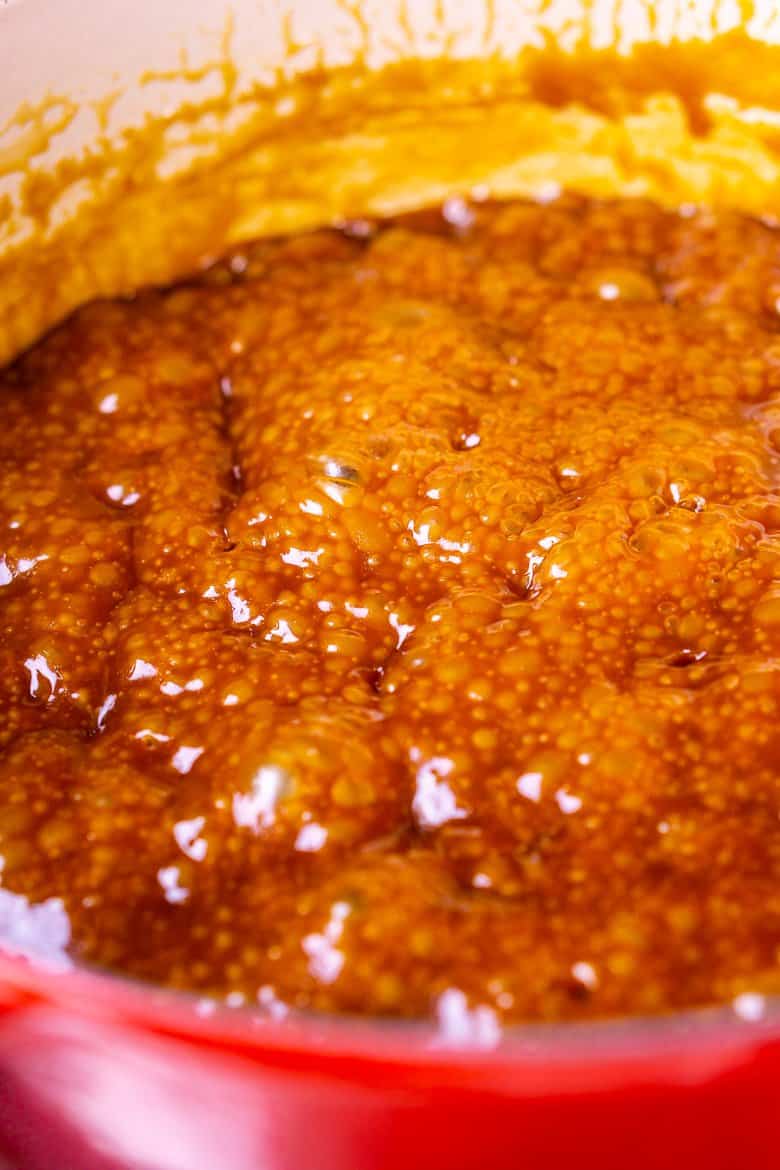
540,1059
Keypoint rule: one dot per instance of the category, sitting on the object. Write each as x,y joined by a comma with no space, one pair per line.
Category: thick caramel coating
397,610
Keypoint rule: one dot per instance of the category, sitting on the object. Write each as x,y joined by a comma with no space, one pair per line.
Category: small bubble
466,441
585,974
340,472
750,1006
358,229
684,658
458,214
622,284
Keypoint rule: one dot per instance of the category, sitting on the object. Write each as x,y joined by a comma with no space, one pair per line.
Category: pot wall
139,140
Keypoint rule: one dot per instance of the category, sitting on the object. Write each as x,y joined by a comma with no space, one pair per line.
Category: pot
139,142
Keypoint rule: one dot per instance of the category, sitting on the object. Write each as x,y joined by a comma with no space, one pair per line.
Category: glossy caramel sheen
396,612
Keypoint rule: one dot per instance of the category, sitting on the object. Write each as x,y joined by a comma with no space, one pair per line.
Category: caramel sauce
393,613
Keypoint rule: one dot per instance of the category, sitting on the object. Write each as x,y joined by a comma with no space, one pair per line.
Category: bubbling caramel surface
395,612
